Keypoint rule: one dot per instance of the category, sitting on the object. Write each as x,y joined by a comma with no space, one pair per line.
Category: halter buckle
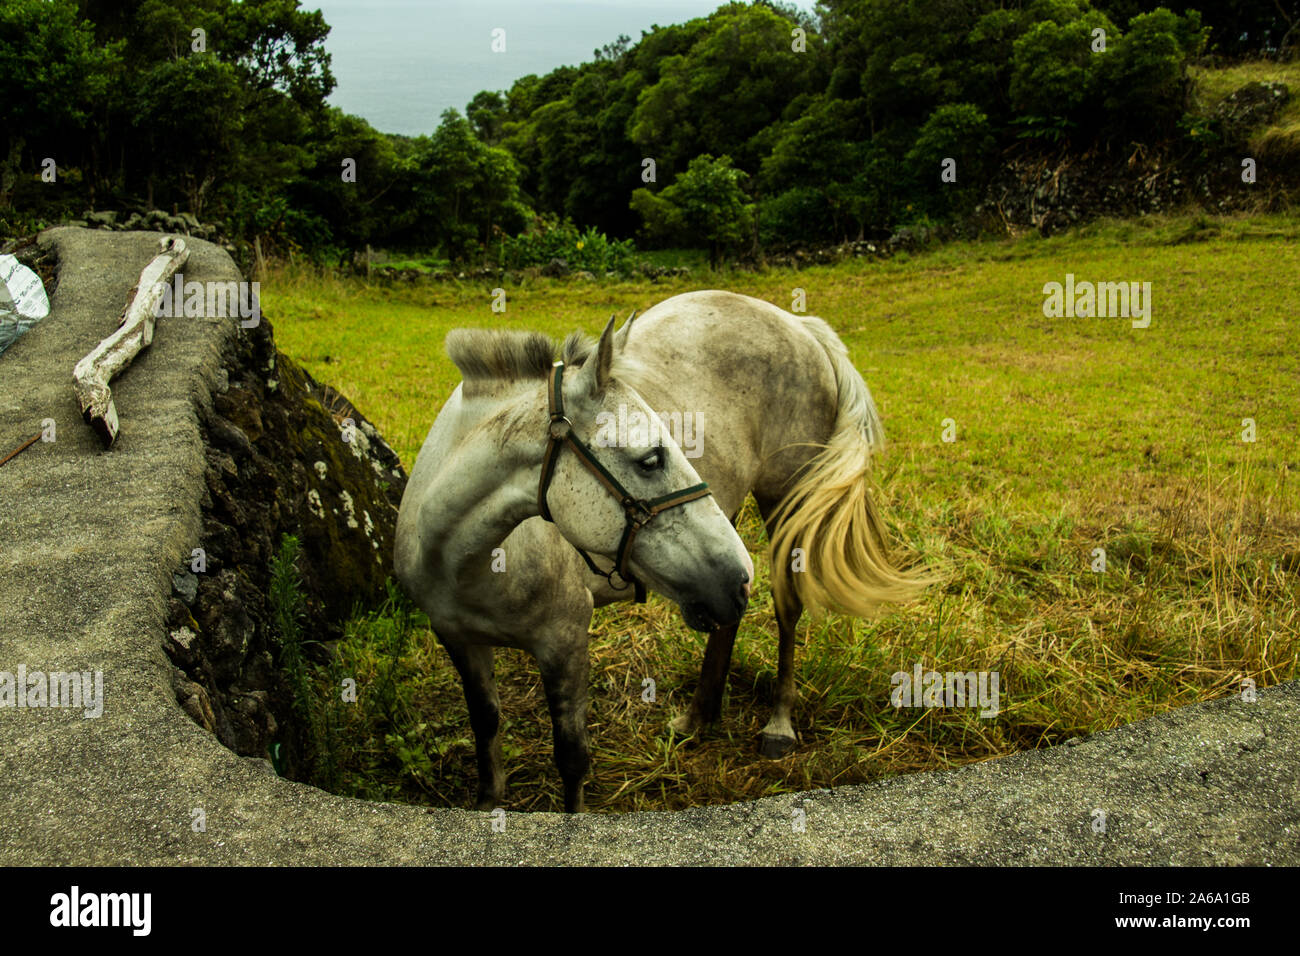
636,513
560,427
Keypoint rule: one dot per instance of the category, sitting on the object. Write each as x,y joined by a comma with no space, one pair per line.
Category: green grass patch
423,265
1071,435
693,259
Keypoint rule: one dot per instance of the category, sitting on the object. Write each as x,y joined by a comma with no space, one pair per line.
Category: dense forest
756,126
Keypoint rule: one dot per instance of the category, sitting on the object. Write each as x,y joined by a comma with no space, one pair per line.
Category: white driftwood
96,370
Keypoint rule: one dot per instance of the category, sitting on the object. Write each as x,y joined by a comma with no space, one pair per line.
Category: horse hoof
682,727
774,748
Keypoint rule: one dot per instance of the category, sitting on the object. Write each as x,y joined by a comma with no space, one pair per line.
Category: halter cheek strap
637,512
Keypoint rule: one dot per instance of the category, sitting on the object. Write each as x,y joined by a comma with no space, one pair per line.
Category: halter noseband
638,512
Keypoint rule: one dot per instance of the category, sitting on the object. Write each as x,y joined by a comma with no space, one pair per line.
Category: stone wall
284,455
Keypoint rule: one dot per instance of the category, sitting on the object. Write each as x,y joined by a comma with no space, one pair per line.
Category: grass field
1071,435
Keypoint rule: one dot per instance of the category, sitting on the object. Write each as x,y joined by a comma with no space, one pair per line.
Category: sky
400,63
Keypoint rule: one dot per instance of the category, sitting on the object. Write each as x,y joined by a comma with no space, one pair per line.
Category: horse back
760,386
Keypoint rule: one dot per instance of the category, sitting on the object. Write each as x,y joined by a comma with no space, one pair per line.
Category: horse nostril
742,596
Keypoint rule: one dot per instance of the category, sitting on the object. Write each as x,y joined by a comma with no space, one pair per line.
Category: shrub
549,238
800,214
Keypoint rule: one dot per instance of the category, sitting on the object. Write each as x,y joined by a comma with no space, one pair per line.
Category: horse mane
507,355
491,357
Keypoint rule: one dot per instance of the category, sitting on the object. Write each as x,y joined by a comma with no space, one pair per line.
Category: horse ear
593,377
604,357
620,337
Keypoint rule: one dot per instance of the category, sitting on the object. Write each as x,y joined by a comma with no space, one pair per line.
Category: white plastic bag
23,302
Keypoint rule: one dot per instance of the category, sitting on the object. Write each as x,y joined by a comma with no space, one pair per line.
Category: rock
229,436
556,269
239,407
905,238
187,586
194,700
226,626
1251,106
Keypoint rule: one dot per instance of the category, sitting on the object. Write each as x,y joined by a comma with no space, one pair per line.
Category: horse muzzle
719,606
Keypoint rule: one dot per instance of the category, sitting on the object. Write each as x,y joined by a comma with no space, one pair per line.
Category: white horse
781,413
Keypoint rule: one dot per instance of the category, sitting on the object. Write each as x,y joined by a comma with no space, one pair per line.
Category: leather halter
638,512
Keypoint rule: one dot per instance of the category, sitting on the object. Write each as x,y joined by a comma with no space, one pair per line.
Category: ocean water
400,63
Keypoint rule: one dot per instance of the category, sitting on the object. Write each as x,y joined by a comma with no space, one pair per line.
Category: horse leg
778,736
565,672
706,705
475,664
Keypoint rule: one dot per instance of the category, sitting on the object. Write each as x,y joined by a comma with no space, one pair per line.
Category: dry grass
1278,146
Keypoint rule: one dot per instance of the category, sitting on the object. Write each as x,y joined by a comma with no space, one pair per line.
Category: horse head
631,495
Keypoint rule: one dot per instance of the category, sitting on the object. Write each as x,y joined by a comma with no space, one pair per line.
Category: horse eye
651,462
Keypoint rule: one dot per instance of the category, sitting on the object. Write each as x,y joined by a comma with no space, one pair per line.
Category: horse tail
830,513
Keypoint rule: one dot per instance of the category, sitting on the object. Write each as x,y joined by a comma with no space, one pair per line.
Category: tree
705,203
191,111
1237,29
1144,82
726,93
467,191
815,172
487,113
959,132
53,77
1054,71
378,205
